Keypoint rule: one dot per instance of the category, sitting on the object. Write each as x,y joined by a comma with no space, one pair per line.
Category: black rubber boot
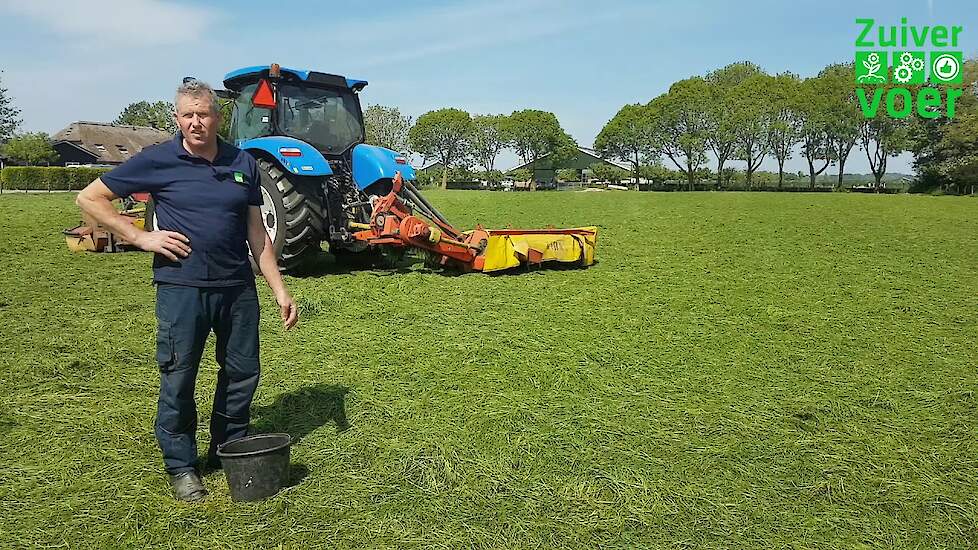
187,486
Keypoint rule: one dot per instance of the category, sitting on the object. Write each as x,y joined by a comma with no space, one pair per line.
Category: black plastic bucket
256,466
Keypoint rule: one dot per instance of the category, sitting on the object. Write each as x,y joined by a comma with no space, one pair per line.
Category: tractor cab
320,109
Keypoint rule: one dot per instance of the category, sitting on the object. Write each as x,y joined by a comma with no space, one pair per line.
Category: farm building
545,170
102,143
435,166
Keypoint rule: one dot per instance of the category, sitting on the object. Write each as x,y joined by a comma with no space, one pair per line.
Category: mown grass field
738,371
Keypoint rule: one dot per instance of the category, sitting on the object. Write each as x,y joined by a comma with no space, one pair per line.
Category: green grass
737,371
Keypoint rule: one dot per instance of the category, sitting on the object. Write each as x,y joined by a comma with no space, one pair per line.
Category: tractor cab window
249,121
327,118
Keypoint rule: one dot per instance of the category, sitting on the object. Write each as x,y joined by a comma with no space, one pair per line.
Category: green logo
239,177
871,68
945,67
907,70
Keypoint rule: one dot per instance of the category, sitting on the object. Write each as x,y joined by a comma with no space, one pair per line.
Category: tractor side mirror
226,94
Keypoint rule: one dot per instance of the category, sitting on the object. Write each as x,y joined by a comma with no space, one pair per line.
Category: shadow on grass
542,269
297,472
348,264
6,421
300,412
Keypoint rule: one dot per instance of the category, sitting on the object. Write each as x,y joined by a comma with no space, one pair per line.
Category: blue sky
67,60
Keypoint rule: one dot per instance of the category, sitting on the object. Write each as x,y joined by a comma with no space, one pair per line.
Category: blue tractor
306,131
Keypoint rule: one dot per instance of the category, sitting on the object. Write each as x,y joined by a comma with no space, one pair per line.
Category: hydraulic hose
420,198
425,208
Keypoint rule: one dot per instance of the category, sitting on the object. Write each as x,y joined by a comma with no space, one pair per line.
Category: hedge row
48,178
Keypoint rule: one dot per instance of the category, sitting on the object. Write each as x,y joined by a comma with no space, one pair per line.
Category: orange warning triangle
264,96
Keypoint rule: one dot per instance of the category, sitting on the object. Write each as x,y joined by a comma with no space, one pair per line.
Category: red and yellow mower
394,224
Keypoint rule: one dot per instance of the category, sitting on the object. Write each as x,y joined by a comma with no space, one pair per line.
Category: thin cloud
445,30
132,23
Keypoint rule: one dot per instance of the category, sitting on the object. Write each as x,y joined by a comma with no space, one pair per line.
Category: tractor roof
235,80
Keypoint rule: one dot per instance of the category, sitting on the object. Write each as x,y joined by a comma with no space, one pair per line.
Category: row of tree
735,113
458,139
741,113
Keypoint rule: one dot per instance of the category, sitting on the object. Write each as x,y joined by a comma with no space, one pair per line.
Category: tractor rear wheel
292,213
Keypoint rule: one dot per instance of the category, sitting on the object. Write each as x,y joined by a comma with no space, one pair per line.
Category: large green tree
607,172
813,129
753,115
533,134
958,147
227,112
842,115
720,123
9,115
657,173
157,115
680,121
30,149
945,149
785,119
629,137
443,134
881,138
488,139
387,127
520,174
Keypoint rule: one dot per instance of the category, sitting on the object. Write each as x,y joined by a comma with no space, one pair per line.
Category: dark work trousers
185,316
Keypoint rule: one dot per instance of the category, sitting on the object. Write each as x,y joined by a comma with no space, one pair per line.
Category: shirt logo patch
239,177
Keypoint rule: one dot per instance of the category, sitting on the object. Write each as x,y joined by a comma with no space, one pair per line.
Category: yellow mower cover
508,248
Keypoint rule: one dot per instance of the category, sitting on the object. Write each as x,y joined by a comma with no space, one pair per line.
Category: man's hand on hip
290,313
171,244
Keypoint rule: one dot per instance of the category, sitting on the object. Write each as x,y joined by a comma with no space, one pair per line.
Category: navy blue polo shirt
206,201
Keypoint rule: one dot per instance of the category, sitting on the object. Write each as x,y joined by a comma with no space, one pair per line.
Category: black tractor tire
293,214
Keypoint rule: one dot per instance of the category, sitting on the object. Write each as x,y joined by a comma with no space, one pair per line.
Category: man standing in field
207,199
